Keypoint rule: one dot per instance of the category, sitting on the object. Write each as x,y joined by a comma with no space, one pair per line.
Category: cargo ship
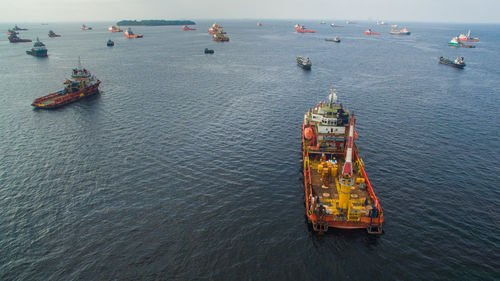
455,42
467,37
303,29
186,28
458,62
130,34
305,63
53,34
338,193
38,50
14,39
114,28
370,32
82,84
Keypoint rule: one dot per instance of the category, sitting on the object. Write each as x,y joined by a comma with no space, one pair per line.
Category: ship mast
332,97
346,180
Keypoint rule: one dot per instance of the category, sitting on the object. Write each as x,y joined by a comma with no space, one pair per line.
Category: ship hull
19,40
58,99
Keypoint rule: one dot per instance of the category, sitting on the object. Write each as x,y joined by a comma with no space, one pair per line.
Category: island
154,22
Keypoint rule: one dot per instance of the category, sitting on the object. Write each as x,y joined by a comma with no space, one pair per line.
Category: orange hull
134,36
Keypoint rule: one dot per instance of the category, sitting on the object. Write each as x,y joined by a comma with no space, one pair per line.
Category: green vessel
38,50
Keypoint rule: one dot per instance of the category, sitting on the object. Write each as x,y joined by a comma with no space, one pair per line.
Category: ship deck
328,191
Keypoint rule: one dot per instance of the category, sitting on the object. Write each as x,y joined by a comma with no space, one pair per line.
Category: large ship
114,28
459,62
38,50
130,34
338,193
81,84
14,39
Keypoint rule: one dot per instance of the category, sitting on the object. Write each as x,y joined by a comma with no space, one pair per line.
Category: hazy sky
467,11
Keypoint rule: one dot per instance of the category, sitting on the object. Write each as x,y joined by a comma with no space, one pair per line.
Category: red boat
467,37
130,34
81,84
185,28
370,32
84,27
303,29
14,39
114,28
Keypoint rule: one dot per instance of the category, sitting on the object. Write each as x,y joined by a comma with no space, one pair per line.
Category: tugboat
305,63
130,34
455,42
303,29
458,62
84,27
396,31
209,51
17,28
14,39
466,37
186,28
114,28
38,50
336,39
53,34
338,193
370,32
110,43
81,84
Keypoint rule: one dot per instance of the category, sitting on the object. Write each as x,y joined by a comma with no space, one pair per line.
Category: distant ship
467,37
370,32
455,42
130,34
114,28
17,28
336,39
259,24
82,84
335,25
84,27
350,22
14,39
396,31
53,34
303,29
38,50
305,63
186,28
220,37
458,62
381,23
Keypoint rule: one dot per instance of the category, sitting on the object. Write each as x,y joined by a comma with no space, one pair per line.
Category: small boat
335,25
259,24
455,42
14,39
322,22
303,29
370,32
130,34
110,43
17,28
350,22
396,31
84,27
11,31
114,28
336,39
467,37
38,50
82,84
220,37
185,28
381,23
53,34
209,51
305,63
458,62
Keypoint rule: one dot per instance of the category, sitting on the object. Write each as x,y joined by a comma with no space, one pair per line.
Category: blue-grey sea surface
187,166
